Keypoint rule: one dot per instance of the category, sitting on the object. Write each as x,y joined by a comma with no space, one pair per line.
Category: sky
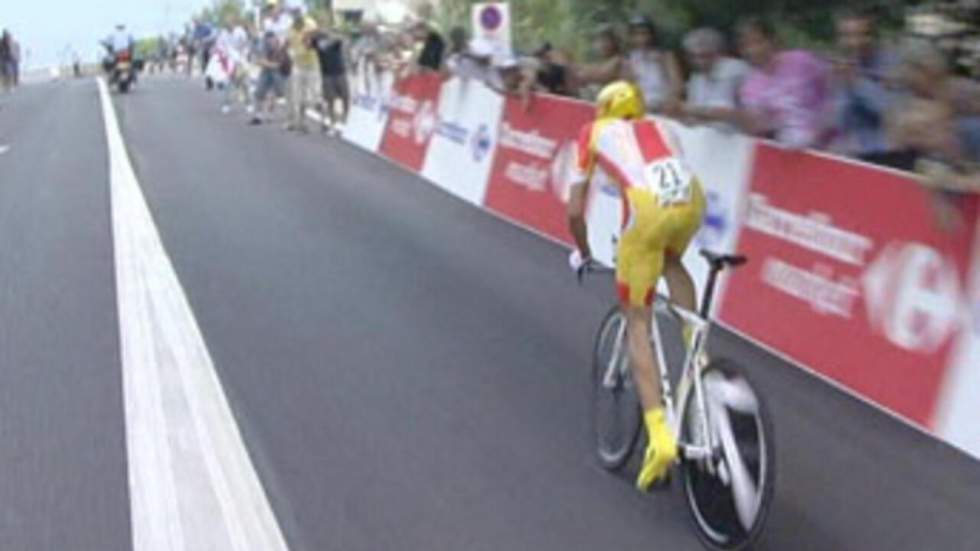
47,29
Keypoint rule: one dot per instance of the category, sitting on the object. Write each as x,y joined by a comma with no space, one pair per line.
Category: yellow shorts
651,232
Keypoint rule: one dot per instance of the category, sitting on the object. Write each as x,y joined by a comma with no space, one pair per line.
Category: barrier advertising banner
461,153
368,117
958,418
850,275
411,120
534,161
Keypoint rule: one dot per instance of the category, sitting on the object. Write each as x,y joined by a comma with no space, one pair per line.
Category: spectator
612,64
466,61
205,36
366,48
365,55
15,60
786,95
712,91
553,73
476,62
6,78
433,47
235,46
333,75
271,57
939,123
276,20
654,70
304,80
863,89
941,118
509,77
187,44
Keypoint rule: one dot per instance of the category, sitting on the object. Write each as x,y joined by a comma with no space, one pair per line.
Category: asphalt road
408,372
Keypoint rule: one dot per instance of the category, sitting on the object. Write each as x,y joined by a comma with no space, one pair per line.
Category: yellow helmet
620,100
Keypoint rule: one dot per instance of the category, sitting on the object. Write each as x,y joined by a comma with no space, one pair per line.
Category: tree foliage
567,23
222,12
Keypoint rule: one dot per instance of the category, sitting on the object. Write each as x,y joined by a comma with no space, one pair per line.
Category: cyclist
663,209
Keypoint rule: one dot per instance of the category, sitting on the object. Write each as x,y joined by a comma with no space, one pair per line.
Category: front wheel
729,495
616,411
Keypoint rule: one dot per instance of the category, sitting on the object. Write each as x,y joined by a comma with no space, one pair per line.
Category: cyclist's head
620,100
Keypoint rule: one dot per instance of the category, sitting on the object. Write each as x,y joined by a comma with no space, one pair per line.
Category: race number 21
670,180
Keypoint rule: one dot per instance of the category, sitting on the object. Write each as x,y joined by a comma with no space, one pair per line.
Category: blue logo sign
482,143
608,187
715,222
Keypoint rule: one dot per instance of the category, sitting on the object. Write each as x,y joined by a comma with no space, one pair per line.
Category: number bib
670,180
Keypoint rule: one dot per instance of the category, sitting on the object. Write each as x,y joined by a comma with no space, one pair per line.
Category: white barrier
368,115
461,152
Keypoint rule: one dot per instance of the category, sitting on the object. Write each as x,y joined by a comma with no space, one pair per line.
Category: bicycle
721,424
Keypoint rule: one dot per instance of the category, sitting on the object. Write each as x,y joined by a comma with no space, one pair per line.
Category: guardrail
851,278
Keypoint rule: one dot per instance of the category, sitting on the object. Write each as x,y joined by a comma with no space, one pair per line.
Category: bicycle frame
690,373
690,378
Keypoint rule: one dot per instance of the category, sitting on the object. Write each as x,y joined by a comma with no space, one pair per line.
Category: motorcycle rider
119,41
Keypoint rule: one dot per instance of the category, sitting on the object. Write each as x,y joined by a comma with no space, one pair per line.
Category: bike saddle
720,261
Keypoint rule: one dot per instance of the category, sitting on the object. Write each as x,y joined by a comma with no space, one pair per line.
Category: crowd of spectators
10,58
893,103
890,103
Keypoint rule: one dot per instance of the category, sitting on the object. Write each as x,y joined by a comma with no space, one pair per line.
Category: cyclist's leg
639,264
683,222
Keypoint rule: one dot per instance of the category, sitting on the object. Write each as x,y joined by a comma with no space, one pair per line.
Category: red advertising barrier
412,119
851,275
535,154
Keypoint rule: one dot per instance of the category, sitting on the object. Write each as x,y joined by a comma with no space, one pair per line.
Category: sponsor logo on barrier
872,300
814,232
425,122
531,143
817,287
411,120
911,291
527,176
608,187
453,131
714,229
482,143
535,162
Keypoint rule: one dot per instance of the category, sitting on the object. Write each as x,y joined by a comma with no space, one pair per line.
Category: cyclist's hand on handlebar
580,264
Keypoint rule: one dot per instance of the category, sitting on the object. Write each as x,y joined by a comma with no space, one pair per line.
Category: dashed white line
192,485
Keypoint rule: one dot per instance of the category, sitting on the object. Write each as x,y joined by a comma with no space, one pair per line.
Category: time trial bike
721,423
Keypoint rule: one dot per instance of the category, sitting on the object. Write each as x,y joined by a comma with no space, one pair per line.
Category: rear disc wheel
729,496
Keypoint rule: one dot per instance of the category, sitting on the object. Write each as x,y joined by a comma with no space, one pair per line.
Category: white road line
192,485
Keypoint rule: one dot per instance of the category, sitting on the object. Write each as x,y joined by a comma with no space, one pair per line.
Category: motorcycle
122,69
